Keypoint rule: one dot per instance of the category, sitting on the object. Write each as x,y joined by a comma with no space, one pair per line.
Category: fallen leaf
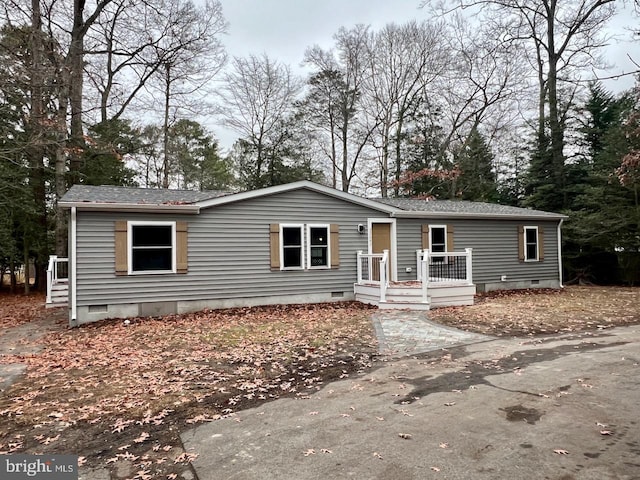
444,445
406,436
308,452
606,432
561,452
435,469
377,455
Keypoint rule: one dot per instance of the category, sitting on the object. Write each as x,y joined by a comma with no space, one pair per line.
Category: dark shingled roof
137,196
461,207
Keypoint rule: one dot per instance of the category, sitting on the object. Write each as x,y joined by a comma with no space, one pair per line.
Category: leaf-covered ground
20,309
533,312
118,394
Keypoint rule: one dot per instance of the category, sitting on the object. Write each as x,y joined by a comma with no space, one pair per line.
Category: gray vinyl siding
228,252
494,244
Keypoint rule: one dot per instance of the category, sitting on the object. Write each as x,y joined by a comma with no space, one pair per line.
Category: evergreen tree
477,179
604,215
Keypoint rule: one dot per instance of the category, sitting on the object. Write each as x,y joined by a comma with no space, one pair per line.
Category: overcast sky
285,28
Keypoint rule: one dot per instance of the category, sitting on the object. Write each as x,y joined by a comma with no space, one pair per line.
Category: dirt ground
120,393
545,311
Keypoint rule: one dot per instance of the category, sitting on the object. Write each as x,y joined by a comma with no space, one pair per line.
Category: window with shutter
147,247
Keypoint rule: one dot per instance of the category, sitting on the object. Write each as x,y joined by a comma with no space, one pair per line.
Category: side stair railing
57,273
373,269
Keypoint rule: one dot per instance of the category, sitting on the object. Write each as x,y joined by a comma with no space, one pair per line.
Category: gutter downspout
73,321
560,251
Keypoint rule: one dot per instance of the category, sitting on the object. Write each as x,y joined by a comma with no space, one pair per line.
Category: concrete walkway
406,332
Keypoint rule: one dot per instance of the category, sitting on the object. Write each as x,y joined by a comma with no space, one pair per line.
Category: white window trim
431,227
137,223
524,243
302,249
327,227
442,259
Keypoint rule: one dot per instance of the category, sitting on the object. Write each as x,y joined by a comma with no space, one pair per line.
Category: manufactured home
147,252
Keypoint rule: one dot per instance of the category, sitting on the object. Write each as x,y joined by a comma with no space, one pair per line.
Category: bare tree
563,39
187,56
343,72
258,95
404,60
133,41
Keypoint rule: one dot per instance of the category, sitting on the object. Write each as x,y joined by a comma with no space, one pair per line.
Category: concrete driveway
557,408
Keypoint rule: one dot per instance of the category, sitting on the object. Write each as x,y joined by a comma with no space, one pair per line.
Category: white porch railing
450,267
373,268
57,272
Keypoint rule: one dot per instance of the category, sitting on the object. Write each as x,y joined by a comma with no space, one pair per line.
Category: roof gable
304,184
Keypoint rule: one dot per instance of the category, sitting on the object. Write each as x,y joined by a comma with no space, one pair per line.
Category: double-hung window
318,246
152,247
438,241
531,244
292,246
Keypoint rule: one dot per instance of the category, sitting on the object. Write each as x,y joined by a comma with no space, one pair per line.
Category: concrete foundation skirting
517,285
93,313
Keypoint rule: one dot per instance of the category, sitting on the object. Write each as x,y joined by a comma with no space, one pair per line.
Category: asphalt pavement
559,408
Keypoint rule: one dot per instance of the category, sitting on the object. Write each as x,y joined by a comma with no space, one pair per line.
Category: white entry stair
57,282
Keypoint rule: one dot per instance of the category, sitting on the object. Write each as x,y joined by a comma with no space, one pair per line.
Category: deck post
469,266
424,269
383,275
419,265
359,263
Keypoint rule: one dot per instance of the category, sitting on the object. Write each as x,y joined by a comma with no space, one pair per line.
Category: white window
530,244
152,247
291,241
318,246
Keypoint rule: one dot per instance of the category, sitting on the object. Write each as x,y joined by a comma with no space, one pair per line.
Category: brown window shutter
450,244
425,237
335,245
274,240
521,243
182,263
540,244
122,247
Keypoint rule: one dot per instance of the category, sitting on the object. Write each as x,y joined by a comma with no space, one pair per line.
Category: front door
380,240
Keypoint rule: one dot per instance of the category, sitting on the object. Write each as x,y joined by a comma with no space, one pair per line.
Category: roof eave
131,207
482,216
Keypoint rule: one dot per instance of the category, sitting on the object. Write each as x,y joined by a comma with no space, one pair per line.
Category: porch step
59,295
399,305
397,298
410,296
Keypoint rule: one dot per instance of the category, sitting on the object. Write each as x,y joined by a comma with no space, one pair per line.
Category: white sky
285,28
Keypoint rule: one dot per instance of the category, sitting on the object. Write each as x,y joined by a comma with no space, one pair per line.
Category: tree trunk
165,127
61,165
75,65
555,126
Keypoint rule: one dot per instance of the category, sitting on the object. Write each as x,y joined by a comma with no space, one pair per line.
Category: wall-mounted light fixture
361,229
